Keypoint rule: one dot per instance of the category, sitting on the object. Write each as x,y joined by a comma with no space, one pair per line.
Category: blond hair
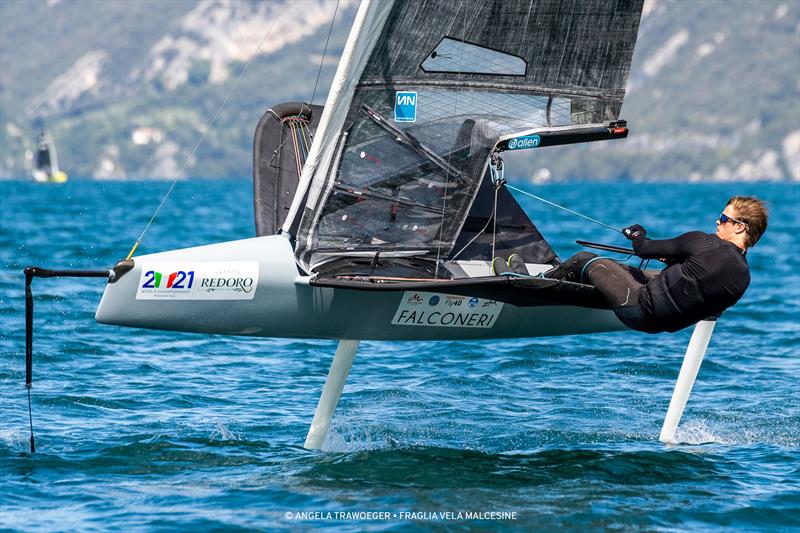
753,212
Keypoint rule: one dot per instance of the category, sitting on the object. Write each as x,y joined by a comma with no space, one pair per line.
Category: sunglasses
723,218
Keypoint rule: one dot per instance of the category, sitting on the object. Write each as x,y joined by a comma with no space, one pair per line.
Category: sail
46,159
423,94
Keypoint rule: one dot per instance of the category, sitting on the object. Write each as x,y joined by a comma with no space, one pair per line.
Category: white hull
41,176
285,304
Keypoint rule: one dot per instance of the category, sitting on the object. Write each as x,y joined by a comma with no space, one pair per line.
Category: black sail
441,84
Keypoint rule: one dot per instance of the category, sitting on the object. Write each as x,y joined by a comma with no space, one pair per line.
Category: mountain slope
129,87
714,94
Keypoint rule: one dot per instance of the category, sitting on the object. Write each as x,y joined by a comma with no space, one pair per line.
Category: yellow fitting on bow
135,246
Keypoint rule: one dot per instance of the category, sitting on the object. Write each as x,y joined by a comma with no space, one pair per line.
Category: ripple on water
156,430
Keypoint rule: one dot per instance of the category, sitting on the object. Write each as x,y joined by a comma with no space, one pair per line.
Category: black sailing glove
634,232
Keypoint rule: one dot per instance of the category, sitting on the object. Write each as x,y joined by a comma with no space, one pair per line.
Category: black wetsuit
705,275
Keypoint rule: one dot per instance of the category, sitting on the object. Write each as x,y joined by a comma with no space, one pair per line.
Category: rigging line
300,142
202,137
488,221
294,142
494,227
548,202
276,151
306,143
307,136
293,127
304,140
280,146
324,51
449,154
300,146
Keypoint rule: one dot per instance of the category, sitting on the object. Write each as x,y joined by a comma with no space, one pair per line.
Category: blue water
140,430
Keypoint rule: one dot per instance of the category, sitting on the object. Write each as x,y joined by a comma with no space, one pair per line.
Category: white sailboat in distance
45,160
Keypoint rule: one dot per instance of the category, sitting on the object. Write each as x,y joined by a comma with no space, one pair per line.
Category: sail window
407,186
451,55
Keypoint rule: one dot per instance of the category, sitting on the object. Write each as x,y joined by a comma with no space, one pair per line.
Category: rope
202,138
293,128
294,142
300,146
548,202
301,142
304,145
324,50
307,135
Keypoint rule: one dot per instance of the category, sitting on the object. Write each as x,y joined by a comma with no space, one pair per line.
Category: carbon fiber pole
29,348
38,272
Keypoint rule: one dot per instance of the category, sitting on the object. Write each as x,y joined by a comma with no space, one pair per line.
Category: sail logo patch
521,143
405,106
212,280
424,309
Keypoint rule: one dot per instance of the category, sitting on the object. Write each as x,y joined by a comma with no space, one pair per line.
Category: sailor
705,273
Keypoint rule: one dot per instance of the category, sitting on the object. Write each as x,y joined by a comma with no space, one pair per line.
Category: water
155,430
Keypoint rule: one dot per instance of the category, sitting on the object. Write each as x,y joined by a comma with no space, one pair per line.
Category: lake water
156,430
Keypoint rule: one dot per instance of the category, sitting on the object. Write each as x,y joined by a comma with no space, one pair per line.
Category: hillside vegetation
128,87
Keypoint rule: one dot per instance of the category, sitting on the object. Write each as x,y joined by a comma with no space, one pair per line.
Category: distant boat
45,165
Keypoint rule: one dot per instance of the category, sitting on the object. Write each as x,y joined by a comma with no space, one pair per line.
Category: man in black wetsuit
705,273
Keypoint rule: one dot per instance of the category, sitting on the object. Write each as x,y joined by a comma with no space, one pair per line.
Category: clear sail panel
404,185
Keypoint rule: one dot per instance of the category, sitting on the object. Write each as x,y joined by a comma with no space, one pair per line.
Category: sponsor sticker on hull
212,280
429,309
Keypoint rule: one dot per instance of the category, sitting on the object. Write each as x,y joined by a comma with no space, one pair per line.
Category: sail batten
432,92
541,90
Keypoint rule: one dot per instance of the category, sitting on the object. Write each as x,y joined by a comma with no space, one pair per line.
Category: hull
252,287
41,176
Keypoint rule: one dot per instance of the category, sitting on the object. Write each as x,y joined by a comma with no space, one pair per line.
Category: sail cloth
46,158
424,91
512,233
